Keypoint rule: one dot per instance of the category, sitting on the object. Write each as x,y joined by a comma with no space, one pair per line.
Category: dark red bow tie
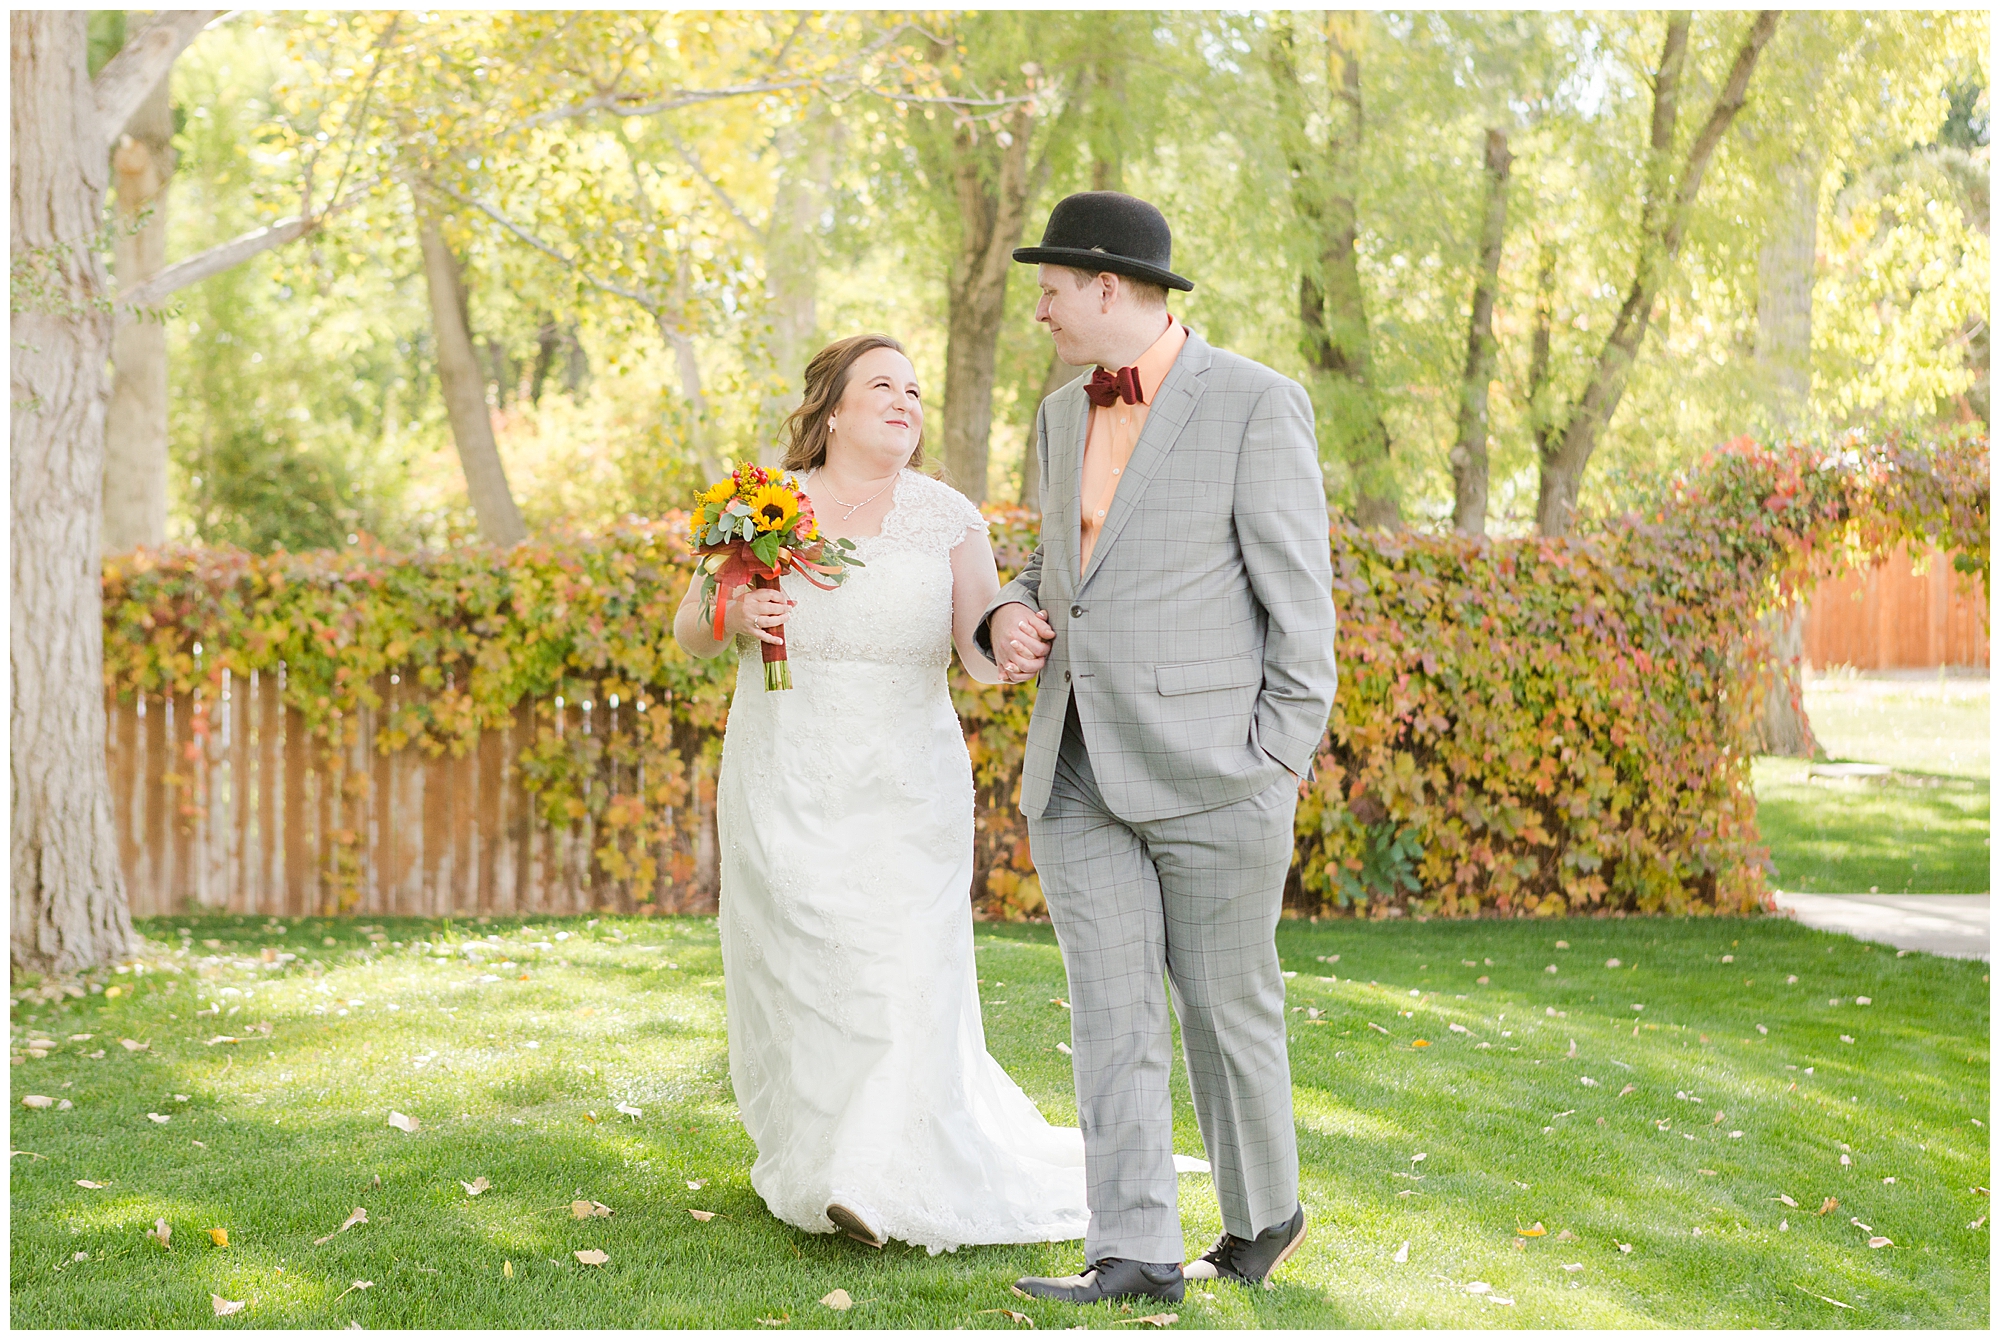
1106,387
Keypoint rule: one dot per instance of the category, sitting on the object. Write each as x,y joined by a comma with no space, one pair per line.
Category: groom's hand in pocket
1021,640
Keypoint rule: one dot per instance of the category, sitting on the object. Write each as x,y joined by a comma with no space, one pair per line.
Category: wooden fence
263,818
1892,617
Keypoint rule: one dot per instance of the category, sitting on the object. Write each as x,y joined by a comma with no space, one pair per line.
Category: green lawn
1924,829
1453,1148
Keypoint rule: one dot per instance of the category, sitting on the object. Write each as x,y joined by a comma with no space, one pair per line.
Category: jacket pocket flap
1231,672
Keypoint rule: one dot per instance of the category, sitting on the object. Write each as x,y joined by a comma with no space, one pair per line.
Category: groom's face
1074,308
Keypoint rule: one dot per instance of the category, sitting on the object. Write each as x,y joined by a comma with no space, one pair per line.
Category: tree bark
1332,305
1783,728
1784,295
464,389
1468,454
69,909
993,191
135,428
1541,412
1670,196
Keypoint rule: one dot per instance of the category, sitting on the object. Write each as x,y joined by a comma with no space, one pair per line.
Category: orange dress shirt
1114,431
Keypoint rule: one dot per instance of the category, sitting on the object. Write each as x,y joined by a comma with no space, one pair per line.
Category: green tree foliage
682,204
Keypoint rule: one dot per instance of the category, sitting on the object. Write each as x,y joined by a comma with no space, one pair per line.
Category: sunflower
773,508
720,492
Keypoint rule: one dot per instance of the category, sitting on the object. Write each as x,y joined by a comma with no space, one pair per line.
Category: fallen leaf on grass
1629,1088
1846,1162
1420,1042
698,1184
161,1233
1879,1241
1573,1266
1018,1318
360,1216
1625,1247
220,1038
1888,1181
131,1046
593,1257
1845,1038
585,1209
631,1111
90,1186
1565,1236
1402,1255
1786,1201
476,1185
1063,1047
1418,1158
774,1321
506,1270
1708,1172
1496,1298
837,1300
407,1125
1535,1232
1377,1027
37,1100
219,1236
358,1284
1479,1286
702,1216
157,1119
223,1306
1829,1205
1157,1319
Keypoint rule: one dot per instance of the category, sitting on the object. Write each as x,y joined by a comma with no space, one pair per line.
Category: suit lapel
1172,408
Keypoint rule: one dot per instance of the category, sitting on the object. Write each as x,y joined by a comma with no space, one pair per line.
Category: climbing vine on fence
1523,726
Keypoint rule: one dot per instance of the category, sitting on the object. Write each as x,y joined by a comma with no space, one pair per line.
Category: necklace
852,508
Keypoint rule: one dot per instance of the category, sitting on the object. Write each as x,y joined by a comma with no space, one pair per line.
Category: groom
1179,615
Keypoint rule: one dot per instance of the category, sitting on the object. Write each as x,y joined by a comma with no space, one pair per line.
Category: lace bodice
895,610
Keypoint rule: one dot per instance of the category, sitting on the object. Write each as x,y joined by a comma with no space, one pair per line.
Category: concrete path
1954,925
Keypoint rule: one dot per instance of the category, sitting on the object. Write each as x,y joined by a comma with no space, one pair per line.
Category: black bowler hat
1108,230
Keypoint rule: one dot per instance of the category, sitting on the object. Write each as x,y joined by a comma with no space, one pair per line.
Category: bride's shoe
856,1221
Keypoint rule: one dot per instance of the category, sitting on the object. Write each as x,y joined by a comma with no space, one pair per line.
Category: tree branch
1735,91
551,251
232,253
139,66
689,157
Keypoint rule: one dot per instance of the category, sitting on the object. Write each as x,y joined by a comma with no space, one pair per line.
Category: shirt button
1114,470
1100,515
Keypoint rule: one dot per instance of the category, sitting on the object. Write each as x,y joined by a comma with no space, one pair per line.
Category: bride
845,815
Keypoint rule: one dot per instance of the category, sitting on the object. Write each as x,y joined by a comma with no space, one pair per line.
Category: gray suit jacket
1199,645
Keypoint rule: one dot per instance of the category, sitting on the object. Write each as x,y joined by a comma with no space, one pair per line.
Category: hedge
1522,726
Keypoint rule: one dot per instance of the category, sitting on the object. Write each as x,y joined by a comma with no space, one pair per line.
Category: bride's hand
753,611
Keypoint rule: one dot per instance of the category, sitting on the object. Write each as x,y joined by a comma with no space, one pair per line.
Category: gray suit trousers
1188,905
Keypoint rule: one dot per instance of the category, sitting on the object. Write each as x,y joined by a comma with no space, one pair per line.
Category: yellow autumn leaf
593,1257
225,1307
703,1216
837,1300
1535,1232
219,1236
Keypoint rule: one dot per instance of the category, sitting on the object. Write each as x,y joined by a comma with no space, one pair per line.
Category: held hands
1021,641
753,611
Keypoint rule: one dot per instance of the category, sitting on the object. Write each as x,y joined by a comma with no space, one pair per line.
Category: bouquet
749,530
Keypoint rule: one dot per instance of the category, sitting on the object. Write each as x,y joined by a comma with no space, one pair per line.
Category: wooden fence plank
1893,617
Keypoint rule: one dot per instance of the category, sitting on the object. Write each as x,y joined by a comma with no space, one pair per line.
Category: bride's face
880,418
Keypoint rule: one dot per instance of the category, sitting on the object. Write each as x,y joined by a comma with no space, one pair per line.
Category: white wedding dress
845,815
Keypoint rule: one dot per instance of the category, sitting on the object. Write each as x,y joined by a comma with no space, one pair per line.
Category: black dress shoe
1113,1277
1250,1260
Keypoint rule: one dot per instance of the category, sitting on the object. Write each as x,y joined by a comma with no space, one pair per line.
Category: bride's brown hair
826,383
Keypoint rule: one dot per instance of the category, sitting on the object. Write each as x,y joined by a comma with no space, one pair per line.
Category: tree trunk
791,270
135,426
1332,307
1060,375
993,193
1670,196
1783,727
464,389
1468,454
1541,412
69,908
1784,295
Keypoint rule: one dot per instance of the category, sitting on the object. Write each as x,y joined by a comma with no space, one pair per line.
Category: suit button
1065,676
1076,611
